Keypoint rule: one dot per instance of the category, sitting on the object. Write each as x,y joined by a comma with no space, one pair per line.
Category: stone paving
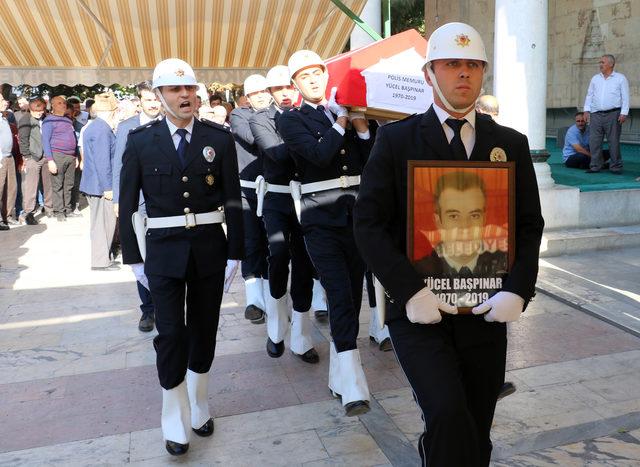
78,383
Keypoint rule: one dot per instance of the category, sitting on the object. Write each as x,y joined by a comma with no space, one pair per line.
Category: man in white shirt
606,108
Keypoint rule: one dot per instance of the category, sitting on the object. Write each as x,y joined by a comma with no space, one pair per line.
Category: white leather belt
247,184
278,188
186,220
342,182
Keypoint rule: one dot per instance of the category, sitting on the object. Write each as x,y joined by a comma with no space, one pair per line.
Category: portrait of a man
469,256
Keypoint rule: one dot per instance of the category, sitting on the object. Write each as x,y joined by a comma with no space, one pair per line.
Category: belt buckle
344,182
190,220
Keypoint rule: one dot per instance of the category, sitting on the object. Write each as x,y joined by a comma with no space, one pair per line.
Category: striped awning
120,41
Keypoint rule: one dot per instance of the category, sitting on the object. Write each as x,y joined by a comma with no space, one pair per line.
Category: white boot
334,371
198,389
300,333
277,318
176,414
353,381
253,290
318,299
375,332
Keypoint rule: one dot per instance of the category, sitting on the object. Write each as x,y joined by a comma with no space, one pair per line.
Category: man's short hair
143,86
62,96
88,103
578,113
73,100
37,100
611,59
460,181
215,97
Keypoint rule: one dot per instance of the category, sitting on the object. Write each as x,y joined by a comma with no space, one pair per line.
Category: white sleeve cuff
338,128
365,135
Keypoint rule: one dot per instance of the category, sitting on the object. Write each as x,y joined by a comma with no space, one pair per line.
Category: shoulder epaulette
144,127
215,125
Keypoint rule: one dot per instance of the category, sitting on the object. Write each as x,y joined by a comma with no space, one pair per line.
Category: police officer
150,109
330,158
254,265
454,363
187,171
283,230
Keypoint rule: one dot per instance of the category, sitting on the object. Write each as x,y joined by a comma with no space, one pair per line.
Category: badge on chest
209,154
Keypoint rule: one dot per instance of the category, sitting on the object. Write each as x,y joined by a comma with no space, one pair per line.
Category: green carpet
600,181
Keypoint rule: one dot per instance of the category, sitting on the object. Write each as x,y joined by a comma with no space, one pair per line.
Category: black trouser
146,302
371,290
335,256
456,369
256,249
179,346
287,244
62,183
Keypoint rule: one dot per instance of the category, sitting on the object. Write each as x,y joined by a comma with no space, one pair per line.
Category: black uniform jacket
380,216
249,157
277,163
321,153
150,162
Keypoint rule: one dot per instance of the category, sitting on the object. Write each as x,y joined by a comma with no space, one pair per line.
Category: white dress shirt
6,138
175,136
467,132
608,93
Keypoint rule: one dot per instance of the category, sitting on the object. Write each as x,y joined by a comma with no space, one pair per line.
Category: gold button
185,194
344,167
343,152
187,210
185,179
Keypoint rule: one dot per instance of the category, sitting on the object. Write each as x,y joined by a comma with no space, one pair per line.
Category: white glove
355,115
503,307
230,273
424,308
138,271
334,107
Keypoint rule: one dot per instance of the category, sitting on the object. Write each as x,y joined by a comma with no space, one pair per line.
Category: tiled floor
78,384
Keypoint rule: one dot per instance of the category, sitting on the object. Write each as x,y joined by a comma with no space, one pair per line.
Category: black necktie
465,272
456,145
321,109
182,145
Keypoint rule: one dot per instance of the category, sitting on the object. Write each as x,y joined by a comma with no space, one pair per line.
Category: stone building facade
580,32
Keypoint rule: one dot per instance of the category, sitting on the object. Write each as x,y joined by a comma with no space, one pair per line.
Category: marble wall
580,31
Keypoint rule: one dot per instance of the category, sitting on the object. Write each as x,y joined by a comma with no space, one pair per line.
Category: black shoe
111,267
147,322
75,214
507,389
61,218
3,226
385,345
205,430
321,315
254,314
310,356
353,409
591,171
176,449
275,350
30,219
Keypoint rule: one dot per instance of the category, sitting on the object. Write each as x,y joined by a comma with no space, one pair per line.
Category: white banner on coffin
397,84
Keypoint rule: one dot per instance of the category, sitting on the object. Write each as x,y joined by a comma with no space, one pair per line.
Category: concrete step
571,241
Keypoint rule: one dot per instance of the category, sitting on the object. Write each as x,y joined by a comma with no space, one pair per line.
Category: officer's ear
427,78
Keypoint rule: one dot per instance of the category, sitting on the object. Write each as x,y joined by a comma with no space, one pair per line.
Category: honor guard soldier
254,265
283,230
150,109
454,363
188,173
329,159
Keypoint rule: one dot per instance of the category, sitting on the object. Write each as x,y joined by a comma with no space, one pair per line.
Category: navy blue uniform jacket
321,153
151,163
380,217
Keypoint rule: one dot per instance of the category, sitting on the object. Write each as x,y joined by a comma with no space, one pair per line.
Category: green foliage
407,14
81,91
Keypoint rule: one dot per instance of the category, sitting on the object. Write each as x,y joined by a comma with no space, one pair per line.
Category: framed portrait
460,232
